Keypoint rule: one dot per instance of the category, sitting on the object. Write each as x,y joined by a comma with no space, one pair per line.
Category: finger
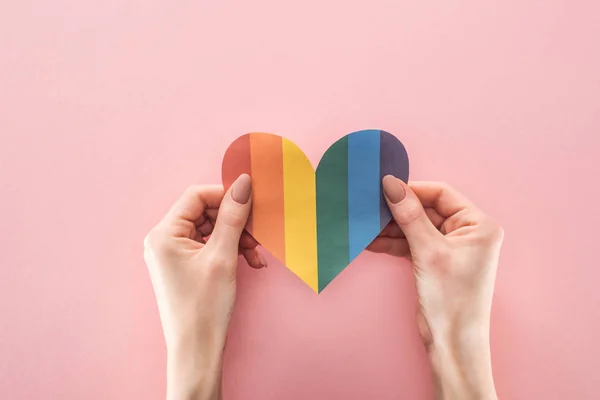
436,219
441,197
205,228
392,246
211,213
191,205
408,212
247,241
189,208
254,258
232,216
203,231
461,222
392,230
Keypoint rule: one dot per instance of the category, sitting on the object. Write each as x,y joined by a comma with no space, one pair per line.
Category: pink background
109,109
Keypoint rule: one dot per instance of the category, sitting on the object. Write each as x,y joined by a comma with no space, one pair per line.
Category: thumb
408,212
233,216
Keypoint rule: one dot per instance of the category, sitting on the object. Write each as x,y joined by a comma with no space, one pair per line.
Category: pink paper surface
109,109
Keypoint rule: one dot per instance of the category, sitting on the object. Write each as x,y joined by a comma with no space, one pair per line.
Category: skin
192,257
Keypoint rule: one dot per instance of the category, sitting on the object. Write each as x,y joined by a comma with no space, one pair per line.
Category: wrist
194,371
461,364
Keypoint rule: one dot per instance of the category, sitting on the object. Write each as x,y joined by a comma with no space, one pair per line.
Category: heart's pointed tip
314,287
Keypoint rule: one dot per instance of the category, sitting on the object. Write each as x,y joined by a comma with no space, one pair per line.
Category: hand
194,281
454,248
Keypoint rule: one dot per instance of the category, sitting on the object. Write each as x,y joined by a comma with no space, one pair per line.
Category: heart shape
316,223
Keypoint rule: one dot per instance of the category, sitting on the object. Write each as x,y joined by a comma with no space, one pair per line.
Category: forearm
461,366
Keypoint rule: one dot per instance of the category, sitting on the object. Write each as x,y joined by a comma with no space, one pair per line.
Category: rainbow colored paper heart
316,223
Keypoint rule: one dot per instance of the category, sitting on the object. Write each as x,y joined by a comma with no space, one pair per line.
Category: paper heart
316,226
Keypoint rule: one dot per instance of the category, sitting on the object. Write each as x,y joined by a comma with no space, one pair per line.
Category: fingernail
261,259
393,189
242,188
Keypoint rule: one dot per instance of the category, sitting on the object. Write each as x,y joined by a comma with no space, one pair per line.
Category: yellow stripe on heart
300,209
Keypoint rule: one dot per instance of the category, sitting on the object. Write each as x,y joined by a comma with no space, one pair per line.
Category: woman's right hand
454,248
